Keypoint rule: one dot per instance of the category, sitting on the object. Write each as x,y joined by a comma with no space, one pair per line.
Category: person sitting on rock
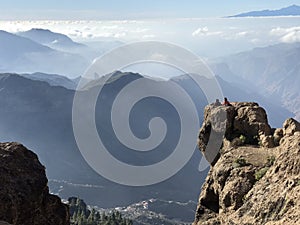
217,103
226,102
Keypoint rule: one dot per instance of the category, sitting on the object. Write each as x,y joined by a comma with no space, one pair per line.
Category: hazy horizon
207,37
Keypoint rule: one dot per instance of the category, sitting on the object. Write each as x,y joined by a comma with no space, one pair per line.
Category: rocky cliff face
24,194
255,170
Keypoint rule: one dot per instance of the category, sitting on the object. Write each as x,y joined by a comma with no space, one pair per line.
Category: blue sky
131,9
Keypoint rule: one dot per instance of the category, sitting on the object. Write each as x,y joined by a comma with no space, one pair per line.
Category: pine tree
81,215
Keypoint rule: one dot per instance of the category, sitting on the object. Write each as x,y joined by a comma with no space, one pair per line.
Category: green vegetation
260,173
81,215
270,160
244,199
243,139
239,162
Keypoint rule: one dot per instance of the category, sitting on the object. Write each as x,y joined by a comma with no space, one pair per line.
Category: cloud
149,36
291,37
287,35
141,30
200,31
243,33
84,30
255,40
205,32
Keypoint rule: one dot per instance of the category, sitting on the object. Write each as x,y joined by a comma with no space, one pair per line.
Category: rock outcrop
24,194
242,123
255,177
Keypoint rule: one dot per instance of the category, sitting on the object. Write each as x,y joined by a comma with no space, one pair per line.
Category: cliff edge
24,194
255,170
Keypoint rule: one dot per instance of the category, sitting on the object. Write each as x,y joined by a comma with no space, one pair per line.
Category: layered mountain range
50,39
36,109
272,71
39,114
39,50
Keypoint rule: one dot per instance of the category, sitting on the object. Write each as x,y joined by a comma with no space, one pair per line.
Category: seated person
226,102
217,103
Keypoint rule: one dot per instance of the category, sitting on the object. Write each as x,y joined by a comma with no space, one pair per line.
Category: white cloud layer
203,31
83,30
287,35
209,37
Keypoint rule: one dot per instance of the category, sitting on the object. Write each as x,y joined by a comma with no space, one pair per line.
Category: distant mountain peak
41,29
293,6
293,10
12,45
49,38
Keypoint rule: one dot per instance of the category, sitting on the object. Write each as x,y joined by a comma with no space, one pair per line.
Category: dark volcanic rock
24,194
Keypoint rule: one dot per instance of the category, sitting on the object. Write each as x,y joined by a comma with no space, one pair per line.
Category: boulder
222,124
290,126
278,134
251,120
267,141
217,121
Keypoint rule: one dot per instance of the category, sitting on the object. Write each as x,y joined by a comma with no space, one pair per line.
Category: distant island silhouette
293,10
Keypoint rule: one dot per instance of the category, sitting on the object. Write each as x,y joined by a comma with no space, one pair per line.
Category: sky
130,9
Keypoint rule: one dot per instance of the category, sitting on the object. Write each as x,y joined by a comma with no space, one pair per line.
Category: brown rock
228,181
278,134
245,119
217,121
24,194
267,141
251,120
290,126
252,185
275,199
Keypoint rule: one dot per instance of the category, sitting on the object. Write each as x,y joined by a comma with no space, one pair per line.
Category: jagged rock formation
24,194
255,179
244,119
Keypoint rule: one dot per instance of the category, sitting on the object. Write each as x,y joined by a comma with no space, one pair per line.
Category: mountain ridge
50,38
45,124
23,55
293,10
39,115
53,79
274,72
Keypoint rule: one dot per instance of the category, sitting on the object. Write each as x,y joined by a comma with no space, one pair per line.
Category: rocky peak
255,175
24,194
241,123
